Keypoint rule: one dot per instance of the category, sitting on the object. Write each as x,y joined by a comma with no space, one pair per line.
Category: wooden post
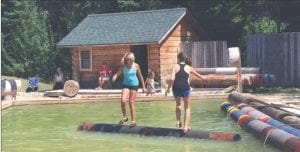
235,61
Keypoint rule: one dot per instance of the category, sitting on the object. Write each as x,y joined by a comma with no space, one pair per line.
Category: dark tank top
181,80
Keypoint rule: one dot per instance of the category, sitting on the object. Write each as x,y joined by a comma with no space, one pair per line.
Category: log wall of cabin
112,55
154,60
170,48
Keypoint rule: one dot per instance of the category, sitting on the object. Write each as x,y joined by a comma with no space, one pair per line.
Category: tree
27,42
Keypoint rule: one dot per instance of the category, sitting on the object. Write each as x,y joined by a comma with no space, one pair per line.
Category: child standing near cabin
104,75
59,79
150,83
131,76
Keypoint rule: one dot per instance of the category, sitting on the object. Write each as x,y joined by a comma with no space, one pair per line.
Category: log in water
157,131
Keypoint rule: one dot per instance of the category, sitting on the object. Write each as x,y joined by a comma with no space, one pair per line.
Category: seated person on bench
104,74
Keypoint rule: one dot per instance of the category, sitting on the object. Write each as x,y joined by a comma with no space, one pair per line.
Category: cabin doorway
141,57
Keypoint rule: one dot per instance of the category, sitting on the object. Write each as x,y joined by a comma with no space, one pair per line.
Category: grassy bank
42,85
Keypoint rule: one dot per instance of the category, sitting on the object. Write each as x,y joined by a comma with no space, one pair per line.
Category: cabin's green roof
142,27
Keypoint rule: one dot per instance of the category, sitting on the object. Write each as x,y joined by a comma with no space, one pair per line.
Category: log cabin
154,36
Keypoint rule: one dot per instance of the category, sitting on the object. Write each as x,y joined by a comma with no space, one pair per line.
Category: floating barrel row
272,135
155,131
277,114
272,111
255,114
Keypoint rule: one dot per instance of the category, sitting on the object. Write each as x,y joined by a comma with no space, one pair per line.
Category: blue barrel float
255,114
157,131
272,110
272,135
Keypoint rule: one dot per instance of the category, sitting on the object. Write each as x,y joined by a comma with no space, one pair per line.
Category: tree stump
71,88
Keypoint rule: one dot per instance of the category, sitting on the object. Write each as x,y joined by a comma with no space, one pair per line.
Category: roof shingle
140,27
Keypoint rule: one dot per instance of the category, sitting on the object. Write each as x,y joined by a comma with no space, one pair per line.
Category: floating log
156,131
71,88
238,98
292,120
9,88
227,70
269,110
223,81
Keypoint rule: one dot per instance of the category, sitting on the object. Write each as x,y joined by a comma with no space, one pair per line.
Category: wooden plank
286,57
276,54
171,44
111,52
292,59
168,62
297,59
174,38
169,49
114,47
168,56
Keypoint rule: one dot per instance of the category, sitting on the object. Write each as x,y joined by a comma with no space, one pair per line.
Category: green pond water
53,128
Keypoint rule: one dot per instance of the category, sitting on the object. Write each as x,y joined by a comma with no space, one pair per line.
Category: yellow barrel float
232,111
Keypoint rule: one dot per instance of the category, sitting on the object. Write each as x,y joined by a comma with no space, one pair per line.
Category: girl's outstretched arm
118,73
141,77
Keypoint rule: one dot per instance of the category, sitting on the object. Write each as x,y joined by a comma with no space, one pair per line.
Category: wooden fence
277,54
206,54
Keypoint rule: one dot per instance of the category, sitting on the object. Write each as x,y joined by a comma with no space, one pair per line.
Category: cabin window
85,59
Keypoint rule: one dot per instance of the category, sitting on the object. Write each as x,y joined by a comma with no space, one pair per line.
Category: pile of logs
226,76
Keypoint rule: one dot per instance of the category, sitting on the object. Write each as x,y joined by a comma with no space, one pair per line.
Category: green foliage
128,5
32,28
27,43
262,25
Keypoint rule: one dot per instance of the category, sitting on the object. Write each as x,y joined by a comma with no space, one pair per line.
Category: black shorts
130,87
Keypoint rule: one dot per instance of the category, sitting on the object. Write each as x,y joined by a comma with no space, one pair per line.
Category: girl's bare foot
123,120
185,130
178,124
133,124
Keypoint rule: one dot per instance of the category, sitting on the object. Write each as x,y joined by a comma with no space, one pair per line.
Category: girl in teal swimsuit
131,76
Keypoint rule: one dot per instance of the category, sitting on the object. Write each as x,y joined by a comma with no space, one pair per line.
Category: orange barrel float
255,114
274,136
156,131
